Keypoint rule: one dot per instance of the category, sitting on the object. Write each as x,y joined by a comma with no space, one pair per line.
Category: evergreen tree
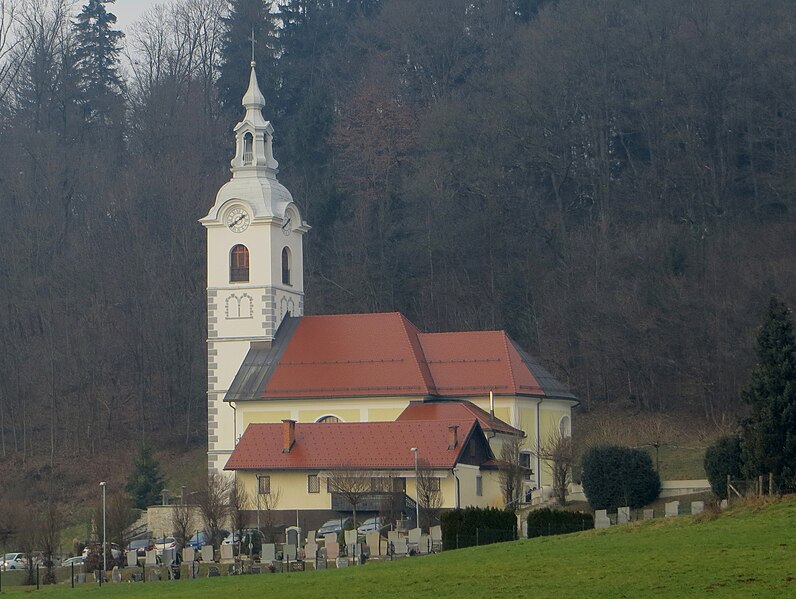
146,481
96,60
246,17
769,433
723,458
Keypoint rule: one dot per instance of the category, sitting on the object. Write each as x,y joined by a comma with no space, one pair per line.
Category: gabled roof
456,410
355,355
355,445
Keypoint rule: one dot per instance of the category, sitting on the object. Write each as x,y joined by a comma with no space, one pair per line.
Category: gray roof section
260,363
552,387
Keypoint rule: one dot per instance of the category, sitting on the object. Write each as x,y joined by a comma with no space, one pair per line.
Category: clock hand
237,220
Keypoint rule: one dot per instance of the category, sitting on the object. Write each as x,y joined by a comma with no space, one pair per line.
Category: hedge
547,521
477,526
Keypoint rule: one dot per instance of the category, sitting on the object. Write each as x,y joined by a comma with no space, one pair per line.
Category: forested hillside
612,181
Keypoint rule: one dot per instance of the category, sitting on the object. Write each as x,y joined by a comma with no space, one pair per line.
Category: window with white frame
479,486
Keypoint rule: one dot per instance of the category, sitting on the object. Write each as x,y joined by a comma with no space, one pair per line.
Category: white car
377,523
14,561
165,543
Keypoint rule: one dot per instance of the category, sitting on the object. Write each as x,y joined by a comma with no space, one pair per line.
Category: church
294,399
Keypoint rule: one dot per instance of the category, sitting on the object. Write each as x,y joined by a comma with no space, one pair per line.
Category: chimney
453,436
288,435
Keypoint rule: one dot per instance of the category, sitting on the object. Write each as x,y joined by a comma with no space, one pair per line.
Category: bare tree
266,505
239,502
214,505
353,484
511,473
50,524
559,454
182,522
429,494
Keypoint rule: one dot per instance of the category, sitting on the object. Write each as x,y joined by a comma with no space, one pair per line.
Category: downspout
457,484
538,446
234,424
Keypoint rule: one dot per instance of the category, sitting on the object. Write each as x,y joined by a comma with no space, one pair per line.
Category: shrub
477,526
723,458
547,521
616,476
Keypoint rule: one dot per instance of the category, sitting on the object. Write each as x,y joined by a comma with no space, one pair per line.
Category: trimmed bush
615,476
723,458
547,521
477,526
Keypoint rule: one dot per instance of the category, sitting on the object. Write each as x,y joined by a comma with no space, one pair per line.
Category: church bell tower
255,274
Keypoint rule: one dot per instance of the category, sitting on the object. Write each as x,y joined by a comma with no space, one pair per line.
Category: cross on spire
252,41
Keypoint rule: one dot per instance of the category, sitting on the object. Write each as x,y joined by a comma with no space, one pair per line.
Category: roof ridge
508,361
420,361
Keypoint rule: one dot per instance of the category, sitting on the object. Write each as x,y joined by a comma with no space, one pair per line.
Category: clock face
237,220
287,226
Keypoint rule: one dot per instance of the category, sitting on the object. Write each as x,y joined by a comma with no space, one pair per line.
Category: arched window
285,266
564,426
239,264
328,418
248,149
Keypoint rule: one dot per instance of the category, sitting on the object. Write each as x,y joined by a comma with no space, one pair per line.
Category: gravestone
292,536
414,536
152,558
649,514
289,552
723,505
213,571
424,546
116,575
436,538
341,562
332,548
207,553
401,547
227,553
373,539
311,551
672,509
350,537
132,559
154,574
697,507
188,554
623,515
80,578
393,536
601,519
311,536
169,555
268,552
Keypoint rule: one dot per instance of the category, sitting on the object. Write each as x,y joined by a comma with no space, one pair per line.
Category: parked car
376,523
78,560
335,525
14,561
141,546
165,543
202,538
116,551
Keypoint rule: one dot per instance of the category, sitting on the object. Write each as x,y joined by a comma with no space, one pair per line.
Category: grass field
746,552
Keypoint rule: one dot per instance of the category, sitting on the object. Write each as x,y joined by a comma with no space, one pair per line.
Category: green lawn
746,552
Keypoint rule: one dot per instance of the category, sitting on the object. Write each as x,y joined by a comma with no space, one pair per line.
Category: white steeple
255,267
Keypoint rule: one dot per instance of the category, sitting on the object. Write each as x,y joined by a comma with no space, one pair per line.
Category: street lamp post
104,553
414,450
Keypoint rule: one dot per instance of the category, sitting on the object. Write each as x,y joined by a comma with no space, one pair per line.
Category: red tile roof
368,445
475,363
349,355
456,410
355,355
